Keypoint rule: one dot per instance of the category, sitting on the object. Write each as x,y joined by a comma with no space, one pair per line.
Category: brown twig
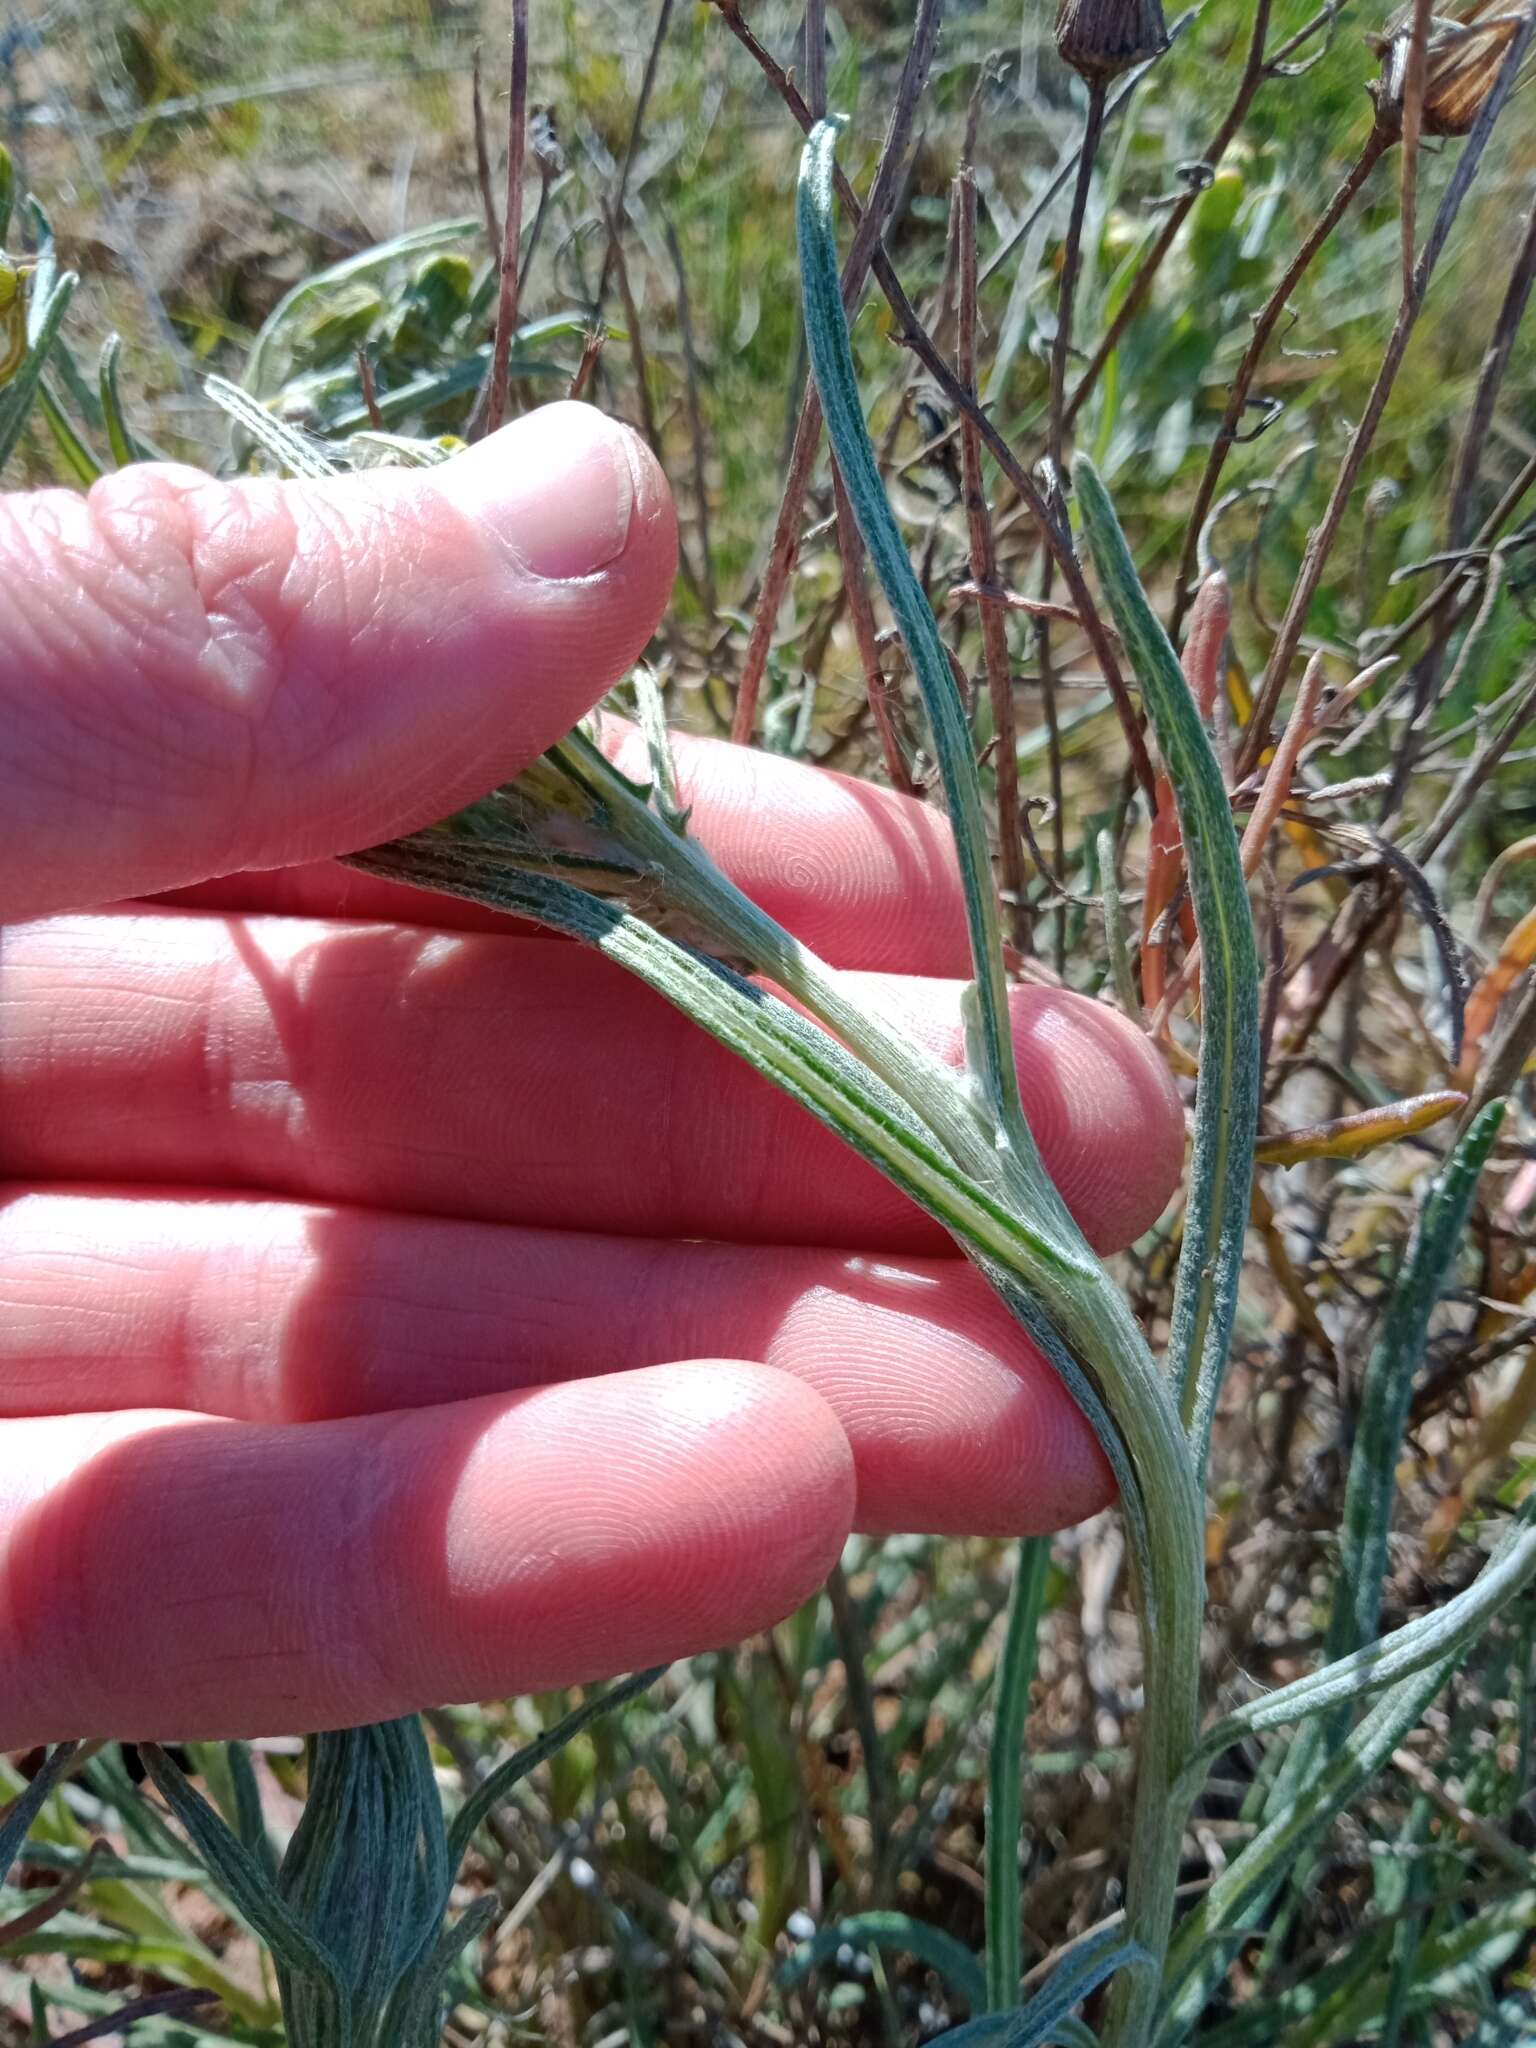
369,389
1381,137
695,426
1412,121
512,230
483,162
1473,776
591,349
861,617
636,129
632,328
1321,541
912,334
1490,377
994,635
871,221
1061,348
1253,75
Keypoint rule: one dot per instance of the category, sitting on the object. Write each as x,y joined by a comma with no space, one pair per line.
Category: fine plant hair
1247,871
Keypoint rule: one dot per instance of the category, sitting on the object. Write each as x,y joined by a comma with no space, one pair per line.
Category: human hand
396,1305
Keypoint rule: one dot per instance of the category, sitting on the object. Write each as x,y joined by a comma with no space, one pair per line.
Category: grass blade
26,1806
1388,1387
1048,2016
1227,1100
1451,1628
1010,1709
17,396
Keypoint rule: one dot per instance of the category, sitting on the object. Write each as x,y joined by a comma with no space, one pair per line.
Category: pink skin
359,1345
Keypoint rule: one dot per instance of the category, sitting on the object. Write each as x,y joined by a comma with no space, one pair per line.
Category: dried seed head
1462,57
1102,38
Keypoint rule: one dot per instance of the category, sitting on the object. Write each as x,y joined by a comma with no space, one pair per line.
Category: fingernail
557,488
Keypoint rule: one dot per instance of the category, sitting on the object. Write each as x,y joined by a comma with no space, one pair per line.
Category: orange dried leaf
1346,1137
1515,955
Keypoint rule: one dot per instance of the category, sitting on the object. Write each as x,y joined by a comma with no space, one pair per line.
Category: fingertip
708,1500
1104,1111
209,675
958,1424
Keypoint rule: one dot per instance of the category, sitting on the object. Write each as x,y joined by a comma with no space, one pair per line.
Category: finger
162,1575
506,1079
281,1312
202,676
861,875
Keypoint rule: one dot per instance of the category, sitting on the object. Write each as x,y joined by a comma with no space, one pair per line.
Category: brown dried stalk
1321,542
512,229
483,162
1254,73
636,130
871,225
994,632
1380,139
695,425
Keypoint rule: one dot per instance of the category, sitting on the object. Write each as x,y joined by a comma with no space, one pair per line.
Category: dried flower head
1462,58
1102,38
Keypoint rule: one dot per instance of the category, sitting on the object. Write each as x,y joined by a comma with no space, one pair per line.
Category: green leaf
1198,1953
1004,1819
125,444
240,1875
1227,1099
495,1786
1395,1358
47,317
1048,2015
79,459
27,1805
903,1935
295,452
826,333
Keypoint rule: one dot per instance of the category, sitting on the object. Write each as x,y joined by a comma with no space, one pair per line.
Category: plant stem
512,226
1071,264
1254,72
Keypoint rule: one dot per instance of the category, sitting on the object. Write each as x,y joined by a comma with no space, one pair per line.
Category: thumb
200,677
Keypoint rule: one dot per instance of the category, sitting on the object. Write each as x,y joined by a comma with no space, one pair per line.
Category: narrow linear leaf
17,396
905,1936
498,1783
1198,1955
826,331
79,458
1227,1098
1048,2015
238,1873
1388,1386
1005,1762
1371,1483
294,451
125,445
1450,1629
27,1805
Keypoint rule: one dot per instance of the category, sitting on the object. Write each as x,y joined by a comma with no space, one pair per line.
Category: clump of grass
1344,1855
